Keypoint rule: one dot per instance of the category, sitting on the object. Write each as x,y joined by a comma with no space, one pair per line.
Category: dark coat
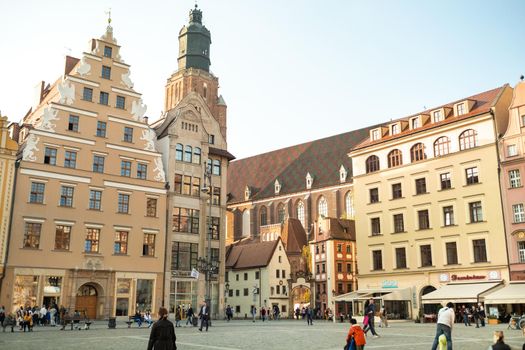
162,336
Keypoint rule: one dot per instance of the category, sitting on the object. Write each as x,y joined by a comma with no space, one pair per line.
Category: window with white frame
521,251
323,207
300,212
515,178
375,134
461,109
512,150
438,116
395,129
415,123
518,212
349,206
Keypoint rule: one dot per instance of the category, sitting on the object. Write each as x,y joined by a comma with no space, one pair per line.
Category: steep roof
252,255
293,236
321,158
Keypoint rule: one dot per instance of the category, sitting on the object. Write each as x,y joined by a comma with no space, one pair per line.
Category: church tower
193,74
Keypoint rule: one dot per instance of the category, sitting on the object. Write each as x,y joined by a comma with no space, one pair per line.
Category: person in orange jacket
357,333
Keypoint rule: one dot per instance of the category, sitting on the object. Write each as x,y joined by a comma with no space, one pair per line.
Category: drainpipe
166,227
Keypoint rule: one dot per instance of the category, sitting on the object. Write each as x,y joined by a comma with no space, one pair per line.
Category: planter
493,321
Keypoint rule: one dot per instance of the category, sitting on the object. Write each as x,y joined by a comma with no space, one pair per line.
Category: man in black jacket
204,315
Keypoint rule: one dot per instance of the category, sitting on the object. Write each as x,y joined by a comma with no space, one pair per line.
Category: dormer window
415,123
247,193
438,116
277,186
342,174
375,134
394,129
460,109
309,181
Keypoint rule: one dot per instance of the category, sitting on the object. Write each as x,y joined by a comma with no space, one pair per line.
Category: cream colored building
429,216
88,228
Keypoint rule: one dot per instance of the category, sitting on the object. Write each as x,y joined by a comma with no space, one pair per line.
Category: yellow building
8,149
88,227
429,223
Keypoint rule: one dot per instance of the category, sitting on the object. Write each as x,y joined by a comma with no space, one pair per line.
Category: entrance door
87,301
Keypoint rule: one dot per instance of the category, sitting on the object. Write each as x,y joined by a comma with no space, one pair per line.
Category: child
357,333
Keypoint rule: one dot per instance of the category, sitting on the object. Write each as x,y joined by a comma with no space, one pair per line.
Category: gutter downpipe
166,240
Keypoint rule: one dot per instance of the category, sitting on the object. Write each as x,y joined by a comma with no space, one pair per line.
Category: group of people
27,317
146,318
476,313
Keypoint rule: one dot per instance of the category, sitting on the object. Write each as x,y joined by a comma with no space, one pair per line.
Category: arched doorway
86,302
301,296
428,308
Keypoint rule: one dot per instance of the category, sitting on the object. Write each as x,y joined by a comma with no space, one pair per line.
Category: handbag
351,345
365,320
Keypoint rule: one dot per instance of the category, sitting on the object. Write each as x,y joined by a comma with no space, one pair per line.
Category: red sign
467,277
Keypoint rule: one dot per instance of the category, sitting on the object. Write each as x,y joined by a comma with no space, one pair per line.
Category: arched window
300,212
441,146
178,152
349,206
417,152
395,158
187,154
197,155
281,212
322,207
372,164
246,223
264,216
468,139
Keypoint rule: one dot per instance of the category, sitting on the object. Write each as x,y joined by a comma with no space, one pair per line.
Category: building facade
430,212
89,215
8,150
192,138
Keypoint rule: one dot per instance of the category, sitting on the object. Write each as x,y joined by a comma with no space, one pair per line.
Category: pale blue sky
290,71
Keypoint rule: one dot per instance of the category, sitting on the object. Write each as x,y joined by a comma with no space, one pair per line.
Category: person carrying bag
355,340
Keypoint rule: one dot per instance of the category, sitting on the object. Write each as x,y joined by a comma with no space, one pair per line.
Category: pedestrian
52,315
445,321
499,344
229,313
162,336
204,315
2,316
482,314
178,316
263,313
383,317
297,312
253,311
465,312
189,315
371,312
308,313
137,318
355,334
148,319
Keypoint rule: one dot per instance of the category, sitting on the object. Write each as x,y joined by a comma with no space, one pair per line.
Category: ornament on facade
49,115
149,135
84,68
138,109
309,181
247,193
93,264
159,169
277,186
96,49
126,80
342,174
67,92
30,148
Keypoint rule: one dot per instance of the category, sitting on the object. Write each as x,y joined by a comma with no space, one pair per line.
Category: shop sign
467,277
494,275
389,284
444,277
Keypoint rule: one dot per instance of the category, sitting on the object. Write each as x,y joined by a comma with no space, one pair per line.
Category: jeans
447,331
370,326
466,320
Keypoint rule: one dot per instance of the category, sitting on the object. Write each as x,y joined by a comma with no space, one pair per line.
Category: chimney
38,91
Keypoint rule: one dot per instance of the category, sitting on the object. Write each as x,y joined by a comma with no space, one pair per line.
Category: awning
514,293
459,293
386,294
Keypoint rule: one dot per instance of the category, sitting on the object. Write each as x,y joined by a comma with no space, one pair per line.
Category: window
91,242
348,249
340,267
480,250
441,146
128,134
396,191
417,153
472,175
348,268
95,199
281,212
422,217
98,164
106,72
512,150
125,168
196,186
519,213
349,206
521,251
461,109
467,139
123,203
374,195
188,150
73,123
50,156
185,220
372,164
339,248
197,155
448,216
421,186
475,212
148,246
184,256
186,185
415,123
399,224
216,169
66,196
101,129
426,255
376,226
216,196
70,159
37,192
438,116
280,260
121,102
401,258
322,207
177,188
142,171
211,139
246,292
377,260
178,152
395,129
452,253
264,216
62,237
104,98
300,213
375,135
395,158
277,273
108,51
32,235
121,242
283,275
151,207
515,178
445,182
87,94
323,268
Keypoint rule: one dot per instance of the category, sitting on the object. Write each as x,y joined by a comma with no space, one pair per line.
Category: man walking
371,312
204,315
445,321
189,315
308,313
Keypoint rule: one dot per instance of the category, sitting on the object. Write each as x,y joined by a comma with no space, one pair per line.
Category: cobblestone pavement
238,335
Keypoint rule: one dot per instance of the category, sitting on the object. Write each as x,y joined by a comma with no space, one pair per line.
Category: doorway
86,303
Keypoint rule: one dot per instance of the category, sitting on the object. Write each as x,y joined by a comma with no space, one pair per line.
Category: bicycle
517,322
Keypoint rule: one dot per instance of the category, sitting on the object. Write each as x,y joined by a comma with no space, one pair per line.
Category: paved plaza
238,335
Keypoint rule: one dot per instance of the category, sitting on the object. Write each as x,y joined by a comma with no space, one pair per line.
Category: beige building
88,224
8,149
429,220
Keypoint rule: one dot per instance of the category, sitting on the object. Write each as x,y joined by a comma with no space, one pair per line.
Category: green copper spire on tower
194,43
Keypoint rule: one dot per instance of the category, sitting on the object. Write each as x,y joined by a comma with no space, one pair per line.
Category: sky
290,71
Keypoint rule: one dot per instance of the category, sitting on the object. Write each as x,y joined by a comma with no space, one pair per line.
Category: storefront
507,300
397,301
461,293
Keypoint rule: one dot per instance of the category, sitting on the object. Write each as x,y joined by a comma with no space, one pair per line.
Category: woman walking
162,336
